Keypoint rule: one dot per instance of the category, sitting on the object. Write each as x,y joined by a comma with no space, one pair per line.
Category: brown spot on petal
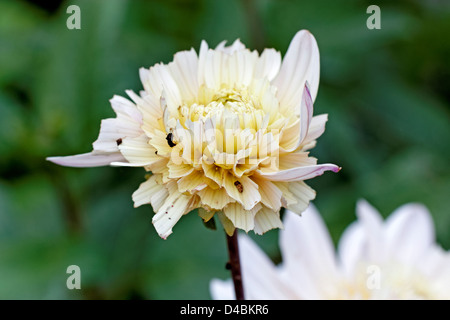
239,186
119,141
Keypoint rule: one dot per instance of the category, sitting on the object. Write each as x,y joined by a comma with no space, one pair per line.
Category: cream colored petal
179,170
243,190
206,215
159,141
302,193
126,124
270,194
184,70
195,181
150,108
214,198
138,152
171,211
295,160
287,197
159,81
150,191
226,223
241,218
213,172
267,219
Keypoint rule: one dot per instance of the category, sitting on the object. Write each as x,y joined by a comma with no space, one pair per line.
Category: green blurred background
386,92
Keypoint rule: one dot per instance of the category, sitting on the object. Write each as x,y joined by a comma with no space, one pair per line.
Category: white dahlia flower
226,131
393,259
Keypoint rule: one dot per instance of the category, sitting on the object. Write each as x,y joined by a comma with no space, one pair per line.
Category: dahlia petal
305,241
222,289
260,274
237,45
372,223
228,226
306,112
215,198
241,218
300,173
195,181
409,232
152,192
268,64
270,194
169,214
91,159
316,128
150,109
179,170
243,190
184,71
302,194
351,247
267,219
138,151
125,108
295,160
300,64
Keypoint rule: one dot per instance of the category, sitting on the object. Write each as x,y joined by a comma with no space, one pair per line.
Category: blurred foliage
386,92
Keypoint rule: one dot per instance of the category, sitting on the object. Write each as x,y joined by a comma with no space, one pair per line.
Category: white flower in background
392,259
227,131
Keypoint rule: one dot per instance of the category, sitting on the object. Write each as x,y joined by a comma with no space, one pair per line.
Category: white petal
409,232
372,225
259,275
351,247
305,242
300,64
222,289
90,159
268,64
184,70
126,124
236,46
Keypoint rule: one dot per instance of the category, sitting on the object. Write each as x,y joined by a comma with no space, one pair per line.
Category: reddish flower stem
235,265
